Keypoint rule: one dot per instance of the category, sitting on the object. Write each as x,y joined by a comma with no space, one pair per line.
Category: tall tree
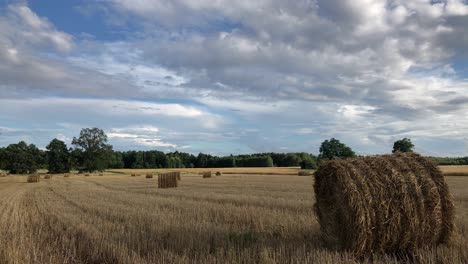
21,158
403,145
59,158
92,147
334,149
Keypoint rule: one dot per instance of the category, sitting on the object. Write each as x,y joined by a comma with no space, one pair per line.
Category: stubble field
234,218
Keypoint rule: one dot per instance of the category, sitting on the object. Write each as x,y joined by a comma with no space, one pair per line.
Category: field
249,171
234,218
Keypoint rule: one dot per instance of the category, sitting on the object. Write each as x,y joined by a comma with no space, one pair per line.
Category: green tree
92,149
334,149
308,163
21,158
403,145
58,157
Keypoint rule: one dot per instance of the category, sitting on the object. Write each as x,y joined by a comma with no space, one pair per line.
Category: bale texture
168,180
149,176
304,173
207,174
383,204
34,178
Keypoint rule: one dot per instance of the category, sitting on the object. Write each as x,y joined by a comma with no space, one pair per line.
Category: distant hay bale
207,174
168,180
383,204
87,175
218,173
3,175
305,173
177,174
133,175
101,174
149,176
33,178
48,177
66,175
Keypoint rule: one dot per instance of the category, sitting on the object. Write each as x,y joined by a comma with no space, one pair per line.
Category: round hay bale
86,175
48,177
383,204
66,175
149,176
218,173
133,175
33,178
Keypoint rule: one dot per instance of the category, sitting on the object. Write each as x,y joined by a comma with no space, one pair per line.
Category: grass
228,219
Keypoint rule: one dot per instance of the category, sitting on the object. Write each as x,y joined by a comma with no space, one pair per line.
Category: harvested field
229,219
461,170
244,171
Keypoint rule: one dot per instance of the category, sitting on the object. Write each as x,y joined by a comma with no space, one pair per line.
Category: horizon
237,78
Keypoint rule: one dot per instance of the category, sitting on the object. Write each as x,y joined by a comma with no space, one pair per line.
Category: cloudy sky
239,76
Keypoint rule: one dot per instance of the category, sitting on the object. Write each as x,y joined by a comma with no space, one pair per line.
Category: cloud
223,76
143,136
24,27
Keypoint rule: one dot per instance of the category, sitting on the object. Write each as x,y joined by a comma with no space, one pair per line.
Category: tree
290,160
58,157
92,149
308,163
403,145
21,158
334,149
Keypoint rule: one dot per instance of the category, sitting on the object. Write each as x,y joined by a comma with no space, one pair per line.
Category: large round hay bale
383,204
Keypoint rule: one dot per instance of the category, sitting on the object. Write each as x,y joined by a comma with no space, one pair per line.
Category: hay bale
383,204
133,175
66,175
3,175
305,173
48,177
33,178
218,173
87,175
177,173
168,180
149,176
101,174
207,174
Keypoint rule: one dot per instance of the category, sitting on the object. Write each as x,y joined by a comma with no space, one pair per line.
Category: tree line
90,152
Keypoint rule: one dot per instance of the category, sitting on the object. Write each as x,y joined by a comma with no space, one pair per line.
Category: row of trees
90,152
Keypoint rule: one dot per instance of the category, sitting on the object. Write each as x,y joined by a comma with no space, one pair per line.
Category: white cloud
35,30
144,136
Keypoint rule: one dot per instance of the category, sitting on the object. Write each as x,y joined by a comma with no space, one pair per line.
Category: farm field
233,218
260,171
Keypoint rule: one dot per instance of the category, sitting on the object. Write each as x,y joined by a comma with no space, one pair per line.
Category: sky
242,76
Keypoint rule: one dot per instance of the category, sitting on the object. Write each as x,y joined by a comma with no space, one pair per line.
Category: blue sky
228,77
